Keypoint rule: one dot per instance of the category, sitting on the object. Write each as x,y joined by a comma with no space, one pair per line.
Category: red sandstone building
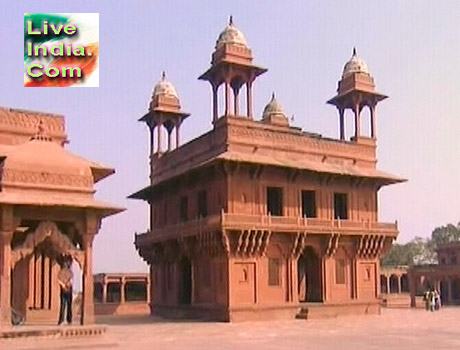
47,210
257,218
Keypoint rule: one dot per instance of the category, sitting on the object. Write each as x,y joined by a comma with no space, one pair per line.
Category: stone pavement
406,329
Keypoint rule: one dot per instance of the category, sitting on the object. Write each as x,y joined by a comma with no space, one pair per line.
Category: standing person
437,300
432,299
426,299
65,277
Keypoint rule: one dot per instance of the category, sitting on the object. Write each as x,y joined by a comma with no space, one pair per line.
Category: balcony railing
272,223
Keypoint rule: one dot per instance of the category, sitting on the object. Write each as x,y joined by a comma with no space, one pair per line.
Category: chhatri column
5,278
236,101
373,122
227,97
399,284
342,123
178,135
249,99
159,148
87,309
388,284
215,104
357,121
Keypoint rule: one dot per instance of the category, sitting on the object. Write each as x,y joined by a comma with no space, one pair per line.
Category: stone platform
18,332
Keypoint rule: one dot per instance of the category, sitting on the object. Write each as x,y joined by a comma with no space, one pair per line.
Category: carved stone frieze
9,176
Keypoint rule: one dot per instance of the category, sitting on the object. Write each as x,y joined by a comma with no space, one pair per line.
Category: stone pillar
87,308
342,123
5,278
169,140
236,102
149,285
249,99
357,121
373,122
104,290
178,135
152,139
412,288
215,103
122,290
159,149
227,98
388,284
399,284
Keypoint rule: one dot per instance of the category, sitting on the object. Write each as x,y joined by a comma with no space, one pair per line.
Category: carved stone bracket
332,244
252,243
370,246
47,231
299,244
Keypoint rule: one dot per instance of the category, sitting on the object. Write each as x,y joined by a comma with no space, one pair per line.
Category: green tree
446,234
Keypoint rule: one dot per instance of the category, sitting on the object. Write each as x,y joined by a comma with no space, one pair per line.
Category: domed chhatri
164,88
231,35
355,65
274,113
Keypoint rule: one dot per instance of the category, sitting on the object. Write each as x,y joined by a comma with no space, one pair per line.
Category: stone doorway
444,286
185,281
309,276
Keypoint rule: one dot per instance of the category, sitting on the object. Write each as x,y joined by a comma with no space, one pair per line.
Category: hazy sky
412,49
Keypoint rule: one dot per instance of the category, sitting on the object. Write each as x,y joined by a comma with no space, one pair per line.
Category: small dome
231,35
273,107
355,65
164,88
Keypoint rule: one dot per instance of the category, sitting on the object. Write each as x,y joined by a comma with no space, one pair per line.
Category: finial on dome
354,51
163,75
273,96
230,20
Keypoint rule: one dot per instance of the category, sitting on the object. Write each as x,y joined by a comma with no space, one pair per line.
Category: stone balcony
282,224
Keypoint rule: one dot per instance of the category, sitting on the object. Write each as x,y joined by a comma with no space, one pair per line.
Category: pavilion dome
164,88
355,65
231,35
41,158
273,107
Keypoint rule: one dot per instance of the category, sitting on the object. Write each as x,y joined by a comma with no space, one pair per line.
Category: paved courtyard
394,329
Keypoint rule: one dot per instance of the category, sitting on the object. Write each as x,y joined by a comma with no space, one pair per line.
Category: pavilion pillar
357,121
87,308
412,288
104,290
122,290
249,99
342,123
149,285
159,148
227,98
178,135
388,284
373,122
399,284
236,102
169,140
215,104
5,278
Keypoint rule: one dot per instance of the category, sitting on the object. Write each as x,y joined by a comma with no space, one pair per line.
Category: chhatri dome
164,88
231,35
355,65
273,107
274,113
